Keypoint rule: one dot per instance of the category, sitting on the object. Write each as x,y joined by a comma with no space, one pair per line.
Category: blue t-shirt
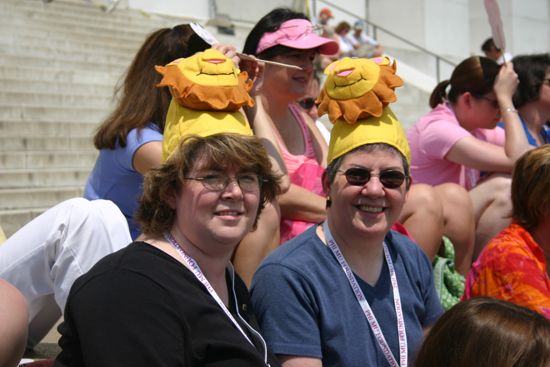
544,133
306,307
115,178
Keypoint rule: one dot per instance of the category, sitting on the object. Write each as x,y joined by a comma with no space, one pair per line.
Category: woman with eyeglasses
459,139
532,97
173,298
350,291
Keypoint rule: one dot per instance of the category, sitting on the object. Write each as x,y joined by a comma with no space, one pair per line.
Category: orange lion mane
369,104
206,97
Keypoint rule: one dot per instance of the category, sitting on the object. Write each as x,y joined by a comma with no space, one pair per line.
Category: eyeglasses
307,103
390,179
219,182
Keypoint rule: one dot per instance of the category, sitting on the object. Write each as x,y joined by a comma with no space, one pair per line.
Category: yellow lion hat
356,95
207,92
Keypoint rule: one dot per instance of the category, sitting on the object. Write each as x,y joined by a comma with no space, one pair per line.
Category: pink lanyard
371,318
192,265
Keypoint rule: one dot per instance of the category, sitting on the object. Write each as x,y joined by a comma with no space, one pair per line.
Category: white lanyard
371,318
192,265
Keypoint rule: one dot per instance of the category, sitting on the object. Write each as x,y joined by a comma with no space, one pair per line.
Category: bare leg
422,215
258,244
13,320
458,213
492,208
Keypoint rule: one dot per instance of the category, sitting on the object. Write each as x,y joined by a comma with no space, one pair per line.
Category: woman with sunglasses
350,291
286,36
458,139
173,299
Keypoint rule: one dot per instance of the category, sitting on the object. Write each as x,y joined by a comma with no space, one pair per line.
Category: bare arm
516,140
263,128
482,155
293,361
148,156
302,204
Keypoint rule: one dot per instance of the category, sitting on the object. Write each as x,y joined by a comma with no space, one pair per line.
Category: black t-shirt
141,307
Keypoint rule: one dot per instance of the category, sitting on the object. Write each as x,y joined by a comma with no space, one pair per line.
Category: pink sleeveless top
303,171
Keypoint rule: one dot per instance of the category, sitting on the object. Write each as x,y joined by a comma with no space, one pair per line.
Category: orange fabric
206,97
512,267
357,104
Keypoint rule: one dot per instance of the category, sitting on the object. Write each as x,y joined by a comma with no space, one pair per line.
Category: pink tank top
303,171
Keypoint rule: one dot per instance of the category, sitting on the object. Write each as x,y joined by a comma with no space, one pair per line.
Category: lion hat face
356,95
358,88
207,92
207,80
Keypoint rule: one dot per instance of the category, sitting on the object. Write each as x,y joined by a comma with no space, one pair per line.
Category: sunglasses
307,103
390,179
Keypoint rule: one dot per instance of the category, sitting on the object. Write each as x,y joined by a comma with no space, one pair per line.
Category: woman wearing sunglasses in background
459,138
325,297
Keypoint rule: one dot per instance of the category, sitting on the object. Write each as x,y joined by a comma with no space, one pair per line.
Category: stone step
58,31
33,40
102,25
43,197
49,113
55,99
86,12
45,86
51,159
13,219
44,143
61,64
38,74
67,54
10,128
35,178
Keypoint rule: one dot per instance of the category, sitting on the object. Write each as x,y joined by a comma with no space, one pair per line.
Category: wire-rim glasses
248,182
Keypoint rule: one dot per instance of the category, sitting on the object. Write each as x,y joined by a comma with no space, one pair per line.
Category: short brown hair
221,151
530,183
485,331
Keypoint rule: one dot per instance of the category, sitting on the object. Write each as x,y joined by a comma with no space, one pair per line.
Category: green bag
449,284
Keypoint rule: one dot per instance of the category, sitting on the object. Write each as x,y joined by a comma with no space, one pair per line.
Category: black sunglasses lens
392,179
357,176
306,103
360,176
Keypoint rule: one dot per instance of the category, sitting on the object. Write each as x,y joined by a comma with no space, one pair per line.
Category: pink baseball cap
297,33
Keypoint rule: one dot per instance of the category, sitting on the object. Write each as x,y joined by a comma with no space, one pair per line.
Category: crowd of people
224,225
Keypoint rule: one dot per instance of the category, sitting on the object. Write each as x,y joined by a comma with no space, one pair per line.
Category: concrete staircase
59,63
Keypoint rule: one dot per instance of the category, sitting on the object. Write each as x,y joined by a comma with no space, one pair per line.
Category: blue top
115,178
544,133
306,307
